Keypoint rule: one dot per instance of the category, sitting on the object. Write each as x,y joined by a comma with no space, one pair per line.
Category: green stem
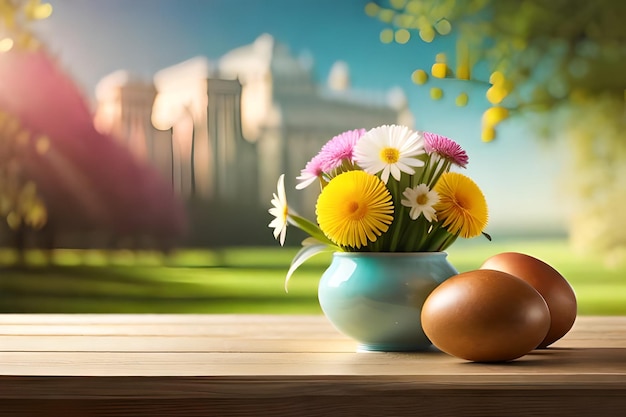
425,170
418,235
448,242
309,227
445,167
437,239
397,187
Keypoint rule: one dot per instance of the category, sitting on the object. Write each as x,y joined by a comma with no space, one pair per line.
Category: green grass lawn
246,280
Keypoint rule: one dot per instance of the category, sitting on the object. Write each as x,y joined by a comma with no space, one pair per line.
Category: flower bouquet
388,189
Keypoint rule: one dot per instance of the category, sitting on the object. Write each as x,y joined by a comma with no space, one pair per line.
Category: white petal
414,162
385,174
395,171
282,195
404,168
305,181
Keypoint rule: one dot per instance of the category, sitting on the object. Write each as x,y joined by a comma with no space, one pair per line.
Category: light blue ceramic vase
376,298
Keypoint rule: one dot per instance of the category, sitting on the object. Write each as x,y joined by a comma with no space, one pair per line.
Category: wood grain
236,365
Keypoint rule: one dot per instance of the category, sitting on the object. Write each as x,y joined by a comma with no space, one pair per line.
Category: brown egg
485,316
557,292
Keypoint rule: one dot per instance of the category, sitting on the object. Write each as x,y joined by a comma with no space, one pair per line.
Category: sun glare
6,45
42,11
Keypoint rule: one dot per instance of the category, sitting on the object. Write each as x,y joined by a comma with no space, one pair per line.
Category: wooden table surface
264,365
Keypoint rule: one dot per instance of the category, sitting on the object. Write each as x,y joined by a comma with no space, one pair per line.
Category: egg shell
552,286
485,316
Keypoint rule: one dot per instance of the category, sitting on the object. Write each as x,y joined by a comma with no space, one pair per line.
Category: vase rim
390,254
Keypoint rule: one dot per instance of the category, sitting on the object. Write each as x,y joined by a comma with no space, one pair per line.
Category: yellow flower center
389,155
421,199
353,210
462,202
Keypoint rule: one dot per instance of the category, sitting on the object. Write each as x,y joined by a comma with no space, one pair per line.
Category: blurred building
225,130
186,122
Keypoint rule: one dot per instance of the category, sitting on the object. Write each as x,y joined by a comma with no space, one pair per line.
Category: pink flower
340,149
445,148
311,172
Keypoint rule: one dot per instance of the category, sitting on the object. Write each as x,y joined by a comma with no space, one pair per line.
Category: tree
561,59
57,170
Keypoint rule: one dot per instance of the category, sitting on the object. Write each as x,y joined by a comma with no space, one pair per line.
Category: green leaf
309,227
304,254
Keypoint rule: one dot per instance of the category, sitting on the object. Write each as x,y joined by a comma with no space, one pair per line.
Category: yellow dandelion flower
462,207
354,208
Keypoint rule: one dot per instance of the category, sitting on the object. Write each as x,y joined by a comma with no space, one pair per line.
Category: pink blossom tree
59,173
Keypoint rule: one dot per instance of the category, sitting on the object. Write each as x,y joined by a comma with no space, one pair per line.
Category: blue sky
93,38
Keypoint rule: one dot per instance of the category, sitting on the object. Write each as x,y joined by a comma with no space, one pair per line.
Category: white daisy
421,200
280,211
390,149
